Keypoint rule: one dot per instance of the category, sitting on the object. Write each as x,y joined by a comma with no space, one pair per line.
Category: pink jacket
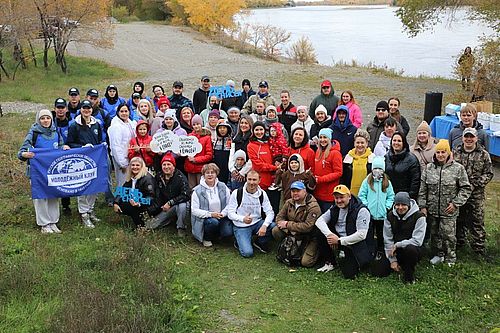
355,114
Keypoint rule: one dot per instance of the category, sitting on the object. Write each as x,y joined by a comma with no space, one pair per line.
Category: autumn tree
302,52
210,15
272,40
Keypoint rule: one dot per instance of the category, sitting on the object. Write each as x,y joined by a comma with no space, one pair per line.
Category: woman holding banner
43,134
135,197
85,132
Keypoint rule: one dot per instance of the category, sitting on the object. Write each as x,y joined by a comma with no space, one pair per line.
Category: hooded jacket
110,105
307,154
278,144
206,111
456,133
343,133
306,124
355,114
120,133
383,145
327,172
143,142
355,168
329,101
424,154
259,152
287,177
391,233
250,205
203,157
318,126
222,149
377,201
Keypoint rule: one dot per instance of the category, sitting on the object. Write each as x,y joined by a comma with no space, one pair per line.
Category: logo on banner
71,173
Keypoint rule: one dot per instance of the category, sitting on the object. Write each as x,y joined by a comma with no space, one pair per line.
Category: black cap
263,84
382,105
111,87
205,78
73,91
93,93
60,102
136,95
178,84
246,82
86,104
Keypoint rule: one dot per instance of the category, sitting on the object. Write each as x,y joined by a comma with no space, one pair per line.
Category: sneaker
86,221
54,228
273,187
182,233
341,254
94,218
47,229
66,211
450,263
437,260
326,268
206,243
261,247
235,244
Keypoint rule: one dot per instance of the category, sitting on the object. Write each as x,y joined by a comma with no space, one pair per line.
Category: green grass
112,279
36,84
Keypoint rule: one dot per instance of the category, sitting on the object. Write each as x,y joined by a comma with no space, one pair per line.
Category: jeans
179,211
214,228
244,237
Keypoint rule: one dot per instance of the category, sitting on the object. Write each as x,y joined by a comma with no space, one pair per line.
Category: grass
39,85
112,279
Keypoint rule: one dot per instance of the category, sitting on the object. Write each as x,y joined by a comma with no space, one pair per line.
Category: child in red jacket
139,146
194,164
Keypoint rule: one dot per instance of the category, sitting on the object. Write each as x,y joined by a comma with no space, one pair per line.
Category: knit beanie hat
230,83
326,132
443,144
168,158
44,112
240,153
257,124
378,163
320,108
382,105
402,198
215,113
424,127
170,113
245,82
294,157
196,120
163,100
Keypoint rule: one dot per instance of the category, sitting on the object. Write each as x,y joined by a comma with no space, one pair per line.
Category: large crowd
328,191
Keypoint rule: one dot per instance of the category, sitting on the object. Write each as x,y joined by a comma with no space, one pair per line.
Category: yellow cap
341,189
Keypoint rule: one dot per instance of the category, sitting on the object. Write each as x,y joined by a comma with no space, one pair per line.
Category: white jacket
303,124
383,145
120,133
250,205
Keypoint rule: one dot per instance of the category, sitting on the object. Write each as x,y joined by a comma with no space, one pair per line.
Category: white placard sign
189,145
169,141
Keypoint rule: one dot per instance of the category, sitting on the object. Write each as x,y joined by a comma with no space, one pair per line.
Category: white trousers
46,211
119,174
86,203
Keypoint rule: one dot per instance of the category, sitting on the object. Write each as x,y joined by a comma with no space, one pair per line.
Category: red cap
163,100
326,83
168,158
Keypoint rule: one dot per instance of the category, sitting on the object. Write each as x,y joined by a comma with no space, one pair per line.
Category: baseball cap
341,189
136,95
263,84
73,91
205,78
178,84
298,185
93,93
86,104
326,83
470,130
60,102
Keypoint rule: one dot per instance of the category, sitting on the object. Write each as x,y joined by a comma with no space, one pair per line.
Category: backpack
290,251
239,198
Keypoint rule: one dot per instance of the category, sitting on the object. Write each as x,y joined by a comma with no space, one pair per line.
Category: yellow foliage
211,15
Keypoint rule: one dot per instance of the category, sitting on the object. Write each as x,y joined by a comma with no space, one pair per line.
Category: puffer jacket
403,170
205,156
355,114
120,133
343,133
259,152
143,142
328,172
442,185
329,101
477,164
300,219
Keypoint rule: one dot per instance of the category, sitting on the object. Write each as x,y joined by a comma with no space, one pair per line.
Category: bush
302,52
120,13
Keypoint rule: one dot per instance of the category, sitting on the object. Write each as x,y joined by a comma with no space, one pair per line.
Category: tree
272,38
302,52
211,15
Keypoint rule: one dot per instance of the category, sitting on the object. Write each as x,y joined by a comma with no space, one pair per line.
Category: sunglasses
325,87
381,110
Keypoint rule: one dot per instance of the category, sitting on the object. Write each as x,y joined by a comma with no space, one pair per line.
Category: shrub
302,52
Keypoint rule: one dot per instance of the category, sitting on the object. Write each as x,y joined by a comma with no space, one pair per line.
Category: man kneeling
246,208
296,218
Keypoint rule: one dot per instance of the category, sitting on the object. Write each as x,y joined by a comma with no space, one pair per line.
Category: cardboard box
484,106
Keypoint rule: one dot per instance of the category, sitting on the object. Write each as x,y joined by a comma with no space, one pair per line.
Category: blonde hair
151,110
142,172
361,133
470,108
210,167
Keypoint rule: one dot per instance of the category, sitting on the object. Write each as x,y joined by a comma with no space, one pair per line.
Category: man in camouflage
444,188
477,163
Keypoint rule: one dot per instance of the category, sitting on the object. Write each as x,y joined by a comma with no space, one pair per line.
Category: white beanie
320,108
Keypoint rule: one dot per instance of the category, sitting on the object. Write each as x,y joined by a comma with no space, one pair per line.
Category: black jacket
174,191
200,97
403,170
244,97
146,185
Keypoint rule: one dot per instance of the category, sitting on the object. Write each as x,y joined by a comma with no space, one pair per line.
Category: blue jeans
213,228
244,237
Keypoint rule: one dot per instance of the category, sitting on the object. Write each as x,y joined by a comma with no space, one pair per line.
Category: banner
59,173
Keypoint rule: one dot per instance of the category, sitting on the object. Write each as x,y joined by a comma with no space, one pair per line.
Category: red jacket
142,142
328,172
262,161
307,155
205,156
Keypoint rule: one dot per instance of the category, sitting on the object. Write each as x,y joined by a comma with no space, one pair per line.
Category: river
373,34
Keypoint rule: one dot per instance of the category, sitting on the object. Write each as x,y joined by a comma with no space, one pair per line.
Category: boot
94,218
85,217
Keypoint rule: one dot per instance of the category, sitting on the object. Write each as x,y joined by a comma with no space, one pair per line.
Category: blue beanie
326,132
378,163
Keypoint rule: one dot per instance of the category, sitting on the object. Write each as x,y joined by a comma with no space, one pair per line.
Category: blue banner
59,173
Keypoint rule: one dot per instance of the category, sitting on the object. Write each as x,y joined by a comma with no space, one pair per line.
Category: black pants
379,232
274,199
133,212
65,202
407,257
348,265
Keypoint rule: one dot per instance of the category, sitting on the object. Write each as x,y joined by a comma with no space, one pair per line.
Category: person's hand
282,224
117,208
262,231
137,149
241,178
451,208
278,164
28,154
133,203
247,219
217,215
423,211
88,145
165,207
66,147
392,253
333,240
395,266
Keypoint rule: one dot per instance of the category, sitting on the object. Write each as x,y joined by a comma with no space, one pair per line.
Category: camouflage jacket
442,184
477,163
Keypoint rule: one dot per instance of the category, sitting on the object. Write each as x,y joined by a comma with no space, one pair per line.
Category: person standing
111,101
245,94
394,104
73,102
286,111
465,66
326,97
425,145
468,119
343,130
477,163
262,94
358,162
200,96
177,100
355,115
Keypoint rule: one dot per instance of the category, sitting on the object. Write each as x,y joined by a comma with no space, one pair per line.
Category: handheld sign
169,141
222,92
127,193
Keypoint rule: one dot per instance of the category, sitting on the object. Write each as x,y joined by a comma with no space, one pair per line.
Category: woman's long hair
385,182
304,141
142,172
323,153
341,102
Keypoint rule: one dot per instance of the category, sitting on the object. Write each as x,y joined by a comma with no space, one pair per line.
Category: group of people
328,191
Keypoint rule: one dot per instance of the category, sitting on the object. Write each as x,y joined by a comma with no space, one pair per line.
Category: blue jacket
111,108
343,133
378,202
